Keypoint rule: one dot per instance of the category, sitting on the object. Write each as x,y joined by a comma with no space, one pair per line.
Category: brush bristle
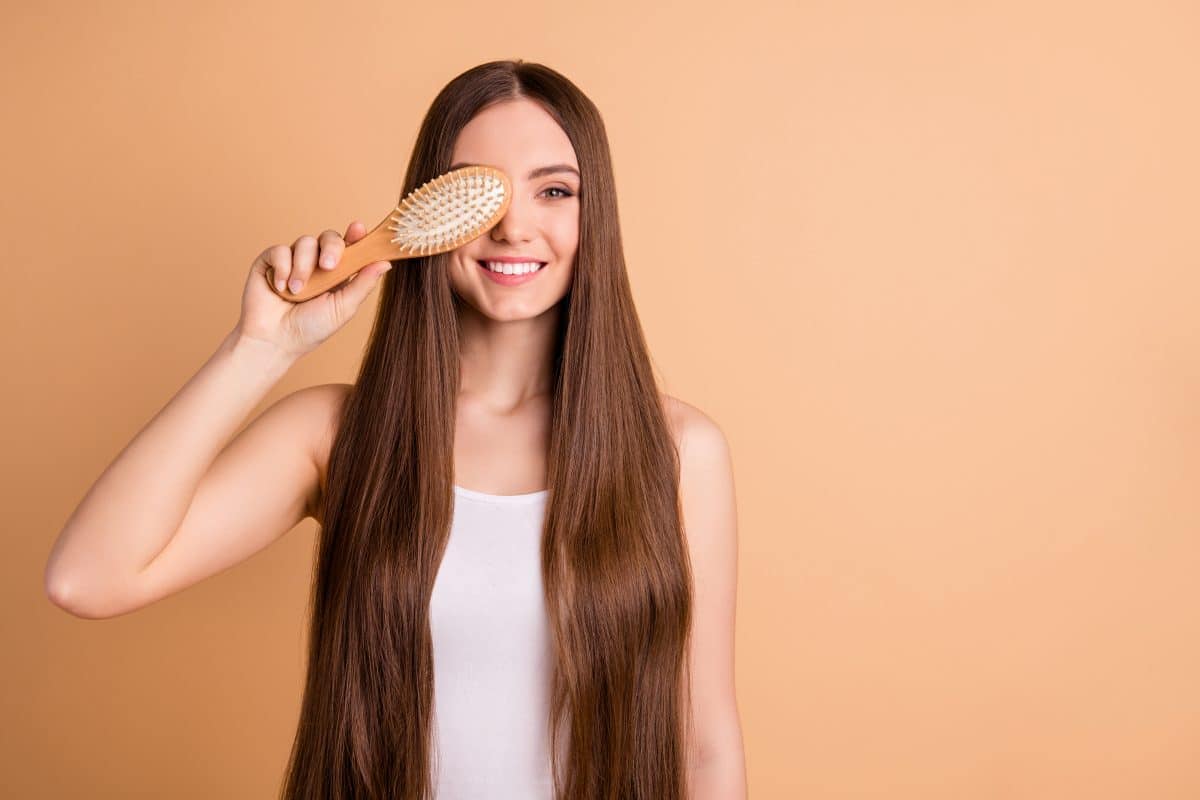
449,210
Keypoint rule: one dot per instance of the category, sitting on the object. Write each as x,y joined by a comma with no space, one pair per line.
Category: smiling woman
526,561
504,600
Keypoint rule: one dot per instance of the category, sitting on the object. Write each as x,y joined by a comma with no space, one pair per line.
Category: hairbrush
439,215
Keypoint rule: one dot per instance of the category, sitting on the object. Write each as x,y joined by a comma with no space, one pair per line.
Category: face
541,224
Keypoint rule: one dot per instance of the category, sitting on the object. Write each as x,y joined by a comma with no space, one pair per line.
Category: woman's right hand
297,328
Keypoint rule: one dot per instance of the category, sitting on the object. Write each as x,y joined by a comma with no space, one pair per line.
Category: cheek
566,273
564,237
460,273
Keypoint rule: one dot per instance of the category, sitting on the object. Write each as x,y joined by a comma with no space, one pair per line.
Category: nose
515,226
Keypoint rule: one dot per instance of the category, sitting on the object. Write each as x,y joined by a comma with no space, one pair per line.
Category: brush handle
375,246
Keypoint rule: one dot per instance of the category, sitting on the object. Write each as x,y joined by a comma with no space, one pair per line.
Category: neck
506,363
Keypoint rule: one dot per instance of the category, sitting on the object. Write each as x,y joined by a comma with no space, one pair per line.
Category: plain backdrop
931,266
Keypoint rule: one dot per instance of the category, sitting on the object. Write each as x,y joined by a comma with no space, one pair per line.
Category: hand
297,328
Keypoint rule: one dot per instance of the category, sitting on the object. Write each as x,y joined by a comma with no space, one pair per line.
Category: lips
511,280
483,263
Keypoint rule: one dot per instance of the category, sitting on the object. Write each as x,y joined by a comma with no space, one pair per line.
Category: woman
503,487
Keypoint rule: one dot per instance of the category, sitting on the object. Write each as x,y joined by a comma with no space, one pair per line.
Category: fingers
278,260
304,257
291,267
331,249
355,231
309,253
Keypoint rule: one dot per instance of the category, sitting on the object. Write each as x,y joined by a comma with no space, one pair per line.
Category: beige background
931,266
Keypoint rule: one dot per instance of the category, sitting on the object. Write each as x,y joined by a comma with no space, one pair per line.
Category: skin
507,332
503,417
197,491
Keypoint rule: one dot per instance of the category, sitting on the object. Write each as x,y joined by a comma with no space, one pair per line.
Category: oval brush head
440,215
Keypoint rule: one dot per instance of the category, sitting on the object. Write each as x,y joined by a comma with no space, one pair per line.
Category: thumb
351,295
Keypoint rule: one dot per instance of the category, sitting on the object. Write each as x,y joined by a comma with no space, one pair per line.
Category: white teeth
512,269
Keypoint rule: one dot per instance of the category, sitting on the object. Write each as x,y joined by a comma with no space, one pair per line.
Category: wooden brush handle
375,246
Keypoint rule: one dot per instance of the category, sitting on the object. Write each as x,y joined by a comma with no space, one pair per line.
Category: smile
516,274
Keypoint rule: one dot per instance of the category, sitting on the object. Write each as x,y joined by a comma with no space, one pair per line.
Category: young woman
526,564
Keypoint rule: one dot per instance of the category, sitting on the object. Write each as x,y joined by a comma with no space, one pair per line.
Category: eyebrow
535,174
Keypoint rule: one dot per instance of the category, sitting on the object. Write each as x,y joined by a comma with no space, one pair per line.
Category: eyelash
566,192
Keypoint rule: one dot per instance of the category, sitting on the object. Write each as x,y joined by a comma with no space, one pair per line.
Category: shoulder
321,406
329,398
706,474
706,489
702,445
325,403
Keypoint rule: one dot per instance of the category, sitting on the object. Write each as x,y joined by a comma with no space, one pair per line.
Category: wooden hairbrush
439,215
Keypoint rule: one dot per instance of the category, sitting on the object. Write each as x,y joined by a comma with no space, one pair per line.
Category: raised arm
181,502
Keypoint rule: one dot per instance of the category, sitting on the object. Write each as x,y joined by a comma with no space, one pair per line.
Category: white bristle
447,210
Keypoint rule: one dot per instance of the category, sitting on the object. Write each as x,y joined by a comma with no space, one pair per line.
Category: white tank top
492,652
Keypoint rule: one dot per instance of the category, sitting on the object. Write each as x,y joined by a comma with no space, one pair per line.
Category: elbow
59,594
81,590
61,589
721,775
67,595
56,588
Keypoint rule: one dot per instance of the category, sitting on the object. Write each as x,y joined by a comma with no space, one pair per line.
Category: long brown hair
617,579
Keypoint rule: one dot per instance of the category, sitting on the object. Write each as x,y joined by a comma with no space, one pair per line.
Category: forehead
515,136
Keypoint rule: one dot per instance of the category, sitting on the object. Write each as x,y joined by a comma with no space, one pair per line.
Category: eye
565,192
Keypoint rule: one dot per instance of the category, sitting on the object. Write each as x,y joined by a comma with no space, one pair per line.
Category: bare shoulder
700,440
706,488
327,401
326,407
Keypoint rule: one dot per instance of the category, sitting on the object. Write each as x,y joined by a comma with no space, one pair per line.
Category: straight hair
615,568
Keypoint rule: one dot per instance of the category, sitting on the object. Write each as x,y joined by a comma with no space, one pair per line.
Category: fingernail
327,262
294,284
279,285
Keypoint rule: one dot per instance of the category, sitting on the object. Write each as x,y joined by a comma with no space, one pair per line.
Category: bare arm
178,503
710,521
131,513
